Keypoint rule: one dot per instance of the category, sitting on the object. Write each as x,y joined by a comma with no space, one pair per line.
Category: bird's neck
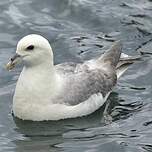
37,85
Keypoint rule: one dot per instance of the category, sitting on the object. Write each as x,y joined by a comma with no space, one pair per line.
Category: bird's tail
112,56
115,58
125,62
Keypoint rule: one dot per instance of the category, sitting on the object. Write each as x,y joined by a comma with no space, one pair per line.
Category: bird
45,91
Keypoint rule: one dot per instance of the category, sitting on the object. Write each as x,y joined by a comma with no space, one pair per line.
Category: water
80,30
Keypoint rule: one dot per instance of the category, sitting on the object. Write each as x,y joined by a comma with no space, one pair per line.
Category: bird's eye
30,47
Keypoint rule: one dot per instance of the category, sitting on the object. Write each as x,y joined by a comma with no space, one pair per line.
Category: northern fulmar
45,91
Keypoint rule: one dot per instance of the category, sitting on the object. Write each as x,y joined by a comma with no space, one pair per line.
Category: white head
32,50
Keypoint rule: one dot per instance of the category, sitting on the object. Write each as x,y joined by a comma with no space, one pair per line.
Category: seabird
45,91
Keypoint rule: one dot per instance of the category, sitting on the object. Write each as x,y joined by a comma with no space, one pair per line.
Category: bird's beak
13,61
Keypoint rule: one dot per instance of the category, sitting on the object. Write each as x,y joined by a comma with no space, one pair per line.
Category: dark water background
79,30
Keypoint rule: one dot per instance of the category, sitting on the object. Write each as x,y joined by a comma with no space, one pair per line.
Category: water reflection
38,135
41,134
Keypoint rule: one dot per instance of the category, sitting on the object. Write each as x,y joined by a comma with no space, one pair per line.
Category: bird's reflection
52,132
48,128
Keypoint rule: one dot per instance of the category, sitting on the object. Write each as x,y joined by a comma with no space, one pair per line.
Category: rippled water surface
80,30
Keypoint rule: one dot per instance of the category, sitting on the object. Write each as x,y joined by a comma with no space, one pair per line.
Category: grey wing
82,84
71,67
89,78
67,67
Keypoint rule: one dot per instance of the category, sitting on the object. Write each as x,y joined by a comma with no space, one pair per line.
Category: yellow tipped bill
13,61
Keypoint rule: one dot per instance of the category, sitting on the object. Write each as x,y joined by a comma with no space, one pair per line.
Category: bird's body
67,90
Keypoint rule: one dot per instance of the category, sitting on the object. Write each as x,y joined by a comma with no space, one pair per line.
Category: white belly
37,112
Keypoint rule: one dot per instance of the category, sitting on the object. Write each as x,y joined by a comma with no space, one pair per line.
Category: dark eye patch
30,47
